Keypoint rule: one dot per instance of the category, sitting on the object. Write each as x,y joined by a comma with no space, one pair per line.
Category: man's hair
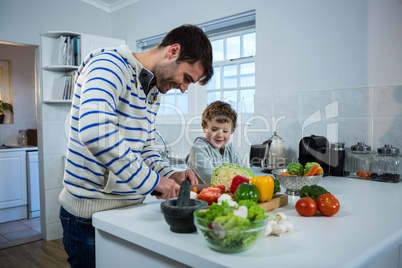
222,112
195,46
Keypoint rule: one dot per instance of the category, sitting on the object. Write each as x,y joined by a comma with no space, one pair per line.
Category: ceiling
110,5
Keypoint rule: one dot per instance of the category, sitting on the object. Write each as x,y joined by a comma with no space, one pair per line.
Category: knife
198,186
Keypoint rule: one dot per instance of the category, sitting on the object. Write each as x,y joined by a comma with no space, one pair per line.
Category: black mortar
179,212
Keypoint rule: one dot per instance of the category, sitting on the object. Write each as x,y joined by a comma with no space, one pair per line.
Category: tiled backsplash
370,115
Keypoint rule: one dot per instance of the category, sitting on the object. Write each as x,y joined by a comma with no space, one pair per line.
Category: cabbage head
224,174
295,168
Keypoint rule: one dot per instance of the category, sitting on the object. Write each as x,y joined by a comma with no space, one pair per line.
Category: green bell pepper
246,191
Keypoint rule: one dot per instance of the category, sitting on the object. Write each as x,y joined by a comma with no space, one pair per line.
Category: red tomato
210,194
328,205
306,207
221,187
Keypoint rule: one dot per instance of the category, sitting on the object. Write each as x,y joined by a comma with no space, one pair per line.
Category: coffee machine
315,149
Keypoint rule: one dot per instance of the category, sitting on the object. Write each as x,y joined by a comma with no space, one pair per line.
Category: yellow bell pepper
265,186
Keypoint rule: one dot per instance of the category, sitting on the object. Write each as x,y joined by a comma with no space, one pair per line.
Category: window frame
237,62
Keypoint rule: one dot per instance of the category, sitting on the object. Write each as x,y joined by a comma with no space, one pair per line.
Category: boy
209,153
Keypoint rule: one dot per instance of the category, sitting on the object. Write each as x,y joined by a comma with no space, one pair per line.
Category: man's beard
164,76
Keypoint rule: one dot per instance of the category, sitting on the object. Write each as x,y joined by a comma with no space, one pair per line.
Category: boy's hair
222,112
195,46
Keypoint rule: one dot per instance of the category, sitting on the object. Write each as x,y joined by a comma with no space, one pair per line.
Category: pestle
183,200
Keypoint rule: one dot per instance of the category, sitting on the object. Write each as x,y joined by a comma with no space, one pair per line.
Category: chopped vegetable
225,173
236,181
210,194
312,170
265,186
318,172
246,191
193,195
309,165
287,174
229,231
313,191
295,168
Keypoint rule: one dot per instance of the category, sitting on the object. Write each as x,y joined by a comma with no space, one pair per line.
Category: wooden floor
43,254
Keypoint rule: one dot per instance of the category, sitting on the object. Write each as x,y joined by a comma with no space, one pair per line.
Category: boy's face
218,134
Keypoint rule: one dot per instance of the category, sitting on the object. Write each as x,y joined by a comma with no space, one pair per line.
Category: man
111,159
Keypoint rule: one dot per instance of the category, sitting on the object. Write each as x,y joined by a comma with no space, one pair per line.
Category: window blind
221,26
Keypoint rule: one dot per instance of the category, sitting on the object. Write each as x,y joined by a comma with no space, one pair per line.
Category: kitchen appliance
386,165
257,152
315,149
33,184
275,155
337,157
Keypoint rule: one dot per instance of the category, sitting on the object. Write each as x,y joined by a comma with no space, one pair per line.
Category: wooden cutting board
279,200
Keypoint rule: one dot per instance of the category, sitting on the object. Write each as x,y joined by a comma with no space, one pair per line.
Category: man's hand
168,188
180,176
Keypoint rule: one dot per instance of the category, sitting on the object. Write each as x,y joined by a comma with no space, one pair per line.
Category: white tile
388,101
54,138
53,231
52,205
54,171
387,130
289,131
318,128
355,129
313,101
354,102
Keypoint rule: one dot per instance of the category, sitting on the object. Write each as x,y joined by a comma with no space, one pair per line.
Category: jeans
78,239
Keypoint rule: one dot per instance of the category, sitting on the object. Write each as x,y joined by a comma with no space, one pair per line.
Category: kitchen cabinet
366,232
13,185
52,69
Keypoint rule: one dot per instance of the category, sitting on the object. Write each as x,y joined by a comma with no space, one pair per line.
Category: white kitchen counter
367,231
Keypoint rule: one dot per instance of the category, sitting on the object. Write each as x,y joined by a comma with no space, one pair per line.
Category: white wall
22,21
311,56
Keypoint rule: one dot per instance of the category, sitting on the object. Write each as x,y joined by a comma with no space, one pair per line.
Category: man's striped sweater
111,161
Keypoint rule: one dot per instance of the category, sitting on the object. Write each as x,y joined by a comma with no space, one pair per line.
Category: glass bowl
230,241
293,184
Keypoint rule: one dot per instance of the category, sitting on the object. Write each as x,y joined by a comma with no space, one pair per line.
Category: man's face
170,75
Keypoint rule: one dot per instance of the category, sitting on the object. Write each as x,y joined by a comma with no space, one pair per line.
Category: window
234,70
233,41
